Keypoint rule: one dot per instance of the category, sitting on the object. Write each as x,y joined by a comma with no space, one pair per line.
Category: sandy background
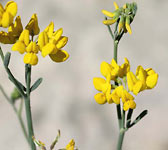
65,98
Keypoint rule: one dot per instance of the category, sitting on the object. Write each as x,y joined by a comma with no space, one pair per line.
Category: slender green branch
120,139
18,113
27,106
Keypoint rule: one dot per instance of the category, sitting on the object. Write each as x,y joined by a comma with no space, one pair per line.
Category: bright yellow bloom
127,98
71,145
16,29
32,26
144,79
13,33
129,105
24,45
104,87
51,43
124,68
7,14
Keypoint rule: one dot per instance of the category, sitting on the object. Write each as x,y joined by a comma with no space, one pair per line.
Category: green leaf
36,84
7,59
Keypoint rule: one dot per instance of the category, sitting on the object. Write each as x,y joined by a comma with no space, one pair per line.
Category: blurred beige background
65,98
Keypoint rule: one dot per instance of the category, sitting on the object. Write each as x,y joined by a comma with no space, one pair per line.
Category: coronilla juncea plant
120,85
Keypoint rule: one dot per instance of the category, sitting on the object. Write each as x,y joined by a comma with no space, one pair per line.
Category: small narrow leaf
141,115
36,84
7,59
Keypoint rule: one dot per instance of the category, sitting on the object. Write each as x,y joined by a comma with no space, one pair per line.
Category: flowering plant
121,85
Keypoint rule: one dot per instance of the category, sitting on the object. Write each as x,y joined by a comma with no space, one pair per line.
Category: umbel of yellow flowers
127,81
124,14
48,42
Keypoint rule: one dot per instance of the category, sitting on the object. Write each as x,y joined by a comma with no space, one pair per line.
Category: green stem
18,113
27,106
120,139
115,50
119,115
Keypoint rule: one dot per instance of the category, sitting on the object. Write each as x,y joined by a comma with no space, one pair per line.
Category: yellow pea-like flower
30,58
124,68
32,26
129,105
51,43
7,14
16,28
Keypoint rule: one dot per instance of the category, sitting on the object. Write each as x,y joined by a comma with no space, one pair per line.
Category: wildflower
104,87
71,145
51,43
144,79
13,33
7,14
24,45
32,26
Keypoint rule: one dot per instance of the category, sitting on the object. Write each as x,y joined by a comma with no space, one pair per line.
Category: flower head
144,79
25,45
124,15
51,43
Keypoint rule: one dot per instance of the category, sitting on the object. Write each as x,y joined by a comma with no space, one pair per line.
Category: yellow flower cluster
48,42
124,15
126,82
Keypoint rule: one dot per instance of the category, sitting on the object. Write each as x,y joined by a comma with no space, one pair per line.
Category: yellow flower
16,29
7,14
129,105
127,99
32,26
144,79
104,87
13,33
71,145
124,68
24,45
51,43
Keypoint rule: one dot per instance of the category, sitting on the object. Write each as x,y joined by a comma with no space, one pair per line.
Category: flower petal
48,49
98,82
100,98
151,81
30,58
11,7
19,46
60,56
